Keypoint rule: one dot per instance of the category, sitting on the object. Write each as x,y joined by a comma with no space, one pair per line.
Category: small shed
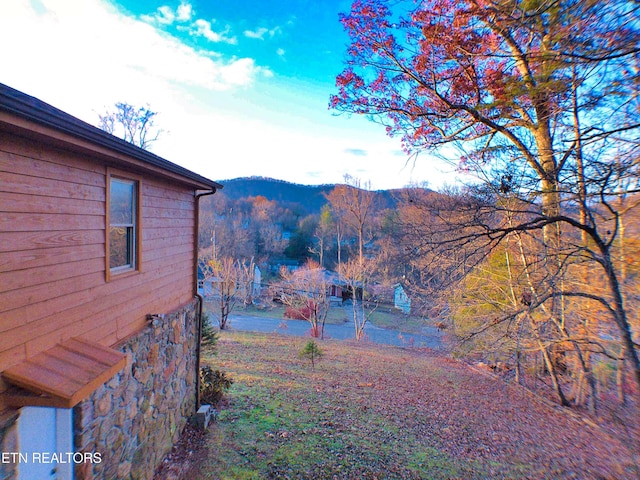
257,282
401,300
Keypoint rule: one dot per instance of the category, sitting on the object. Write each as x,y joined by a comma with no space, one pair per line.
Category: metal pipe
200,297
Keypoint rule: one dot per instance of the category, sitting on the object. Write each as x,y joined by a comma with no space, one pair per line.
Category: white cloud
166,15
299,157
184,12
83,56
280,52
257,34
163,16
260,33
202,28
238,71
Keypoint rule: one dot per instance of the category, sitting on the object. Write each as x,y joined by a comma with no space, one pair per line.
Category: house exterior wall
134,419
52,244
54,286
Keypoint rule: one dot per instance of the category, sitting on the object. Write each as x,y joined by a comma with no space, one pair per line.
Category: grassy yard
337,315
384,317
374,412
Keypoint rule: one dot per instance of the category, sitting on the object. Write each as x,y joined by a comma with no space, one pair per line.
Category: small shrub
213,384
210,336
312,352
304,312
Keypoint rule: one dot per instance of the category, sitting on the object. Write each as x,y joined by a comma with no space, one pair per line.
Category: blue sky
241,86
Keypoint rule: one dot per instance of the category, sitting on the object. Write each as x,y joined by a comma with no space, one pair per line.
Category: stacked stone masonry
134,419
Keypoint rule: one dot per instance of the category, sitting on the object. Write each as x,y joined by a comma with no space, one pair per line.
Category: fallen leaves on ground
185,455
375,412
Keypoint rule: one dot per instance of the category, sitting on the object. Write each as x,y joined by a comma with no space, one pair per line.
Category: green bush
213,384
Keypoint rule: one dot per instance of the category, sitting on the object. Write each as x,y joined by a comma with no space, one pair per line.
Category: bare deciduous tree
357,273
323,231
353,204
231,281
133,124
565,317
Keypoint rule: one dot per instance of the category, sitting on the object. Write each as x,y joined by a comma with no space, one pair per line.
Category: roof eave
33,110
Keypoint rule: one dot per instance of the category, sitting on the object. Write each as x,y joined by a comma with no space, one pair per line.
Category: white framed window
123,223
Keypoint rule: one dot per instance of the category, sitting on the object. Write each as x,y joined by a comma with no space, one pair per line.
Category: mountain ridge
311,198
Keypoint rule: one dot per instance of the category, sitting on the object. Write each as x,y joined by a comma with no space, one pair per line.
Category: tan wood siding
20,260
23,241
52,252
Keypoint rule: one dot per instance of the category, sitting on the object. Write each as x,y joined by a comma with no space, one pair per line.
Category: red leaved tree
304,292
540,97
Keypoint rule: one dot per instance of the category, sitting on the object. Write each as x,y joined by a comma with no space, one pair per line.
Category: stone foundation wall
134,419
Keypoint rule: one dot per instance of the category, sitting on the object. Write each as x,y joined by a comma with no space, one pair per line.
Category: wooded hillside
306,199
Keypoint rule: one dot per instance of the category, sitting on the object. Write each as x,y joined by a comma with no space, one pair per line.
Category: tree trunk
339,243
620,379
549,364
620,316
355,315
586,373
224,311
582,189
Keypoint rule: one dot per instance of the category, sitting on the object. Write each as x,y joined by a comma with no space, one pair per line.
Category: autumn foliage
537,100
448,70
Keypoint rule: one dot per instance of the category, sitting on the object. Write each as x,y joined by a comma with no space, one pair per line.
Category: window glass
122,200
122,223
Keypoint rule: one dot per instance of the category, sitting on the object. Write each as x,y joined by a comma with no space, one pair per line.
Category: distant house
99,315
205,287
335,294
289,264
401,300
334,285
210,285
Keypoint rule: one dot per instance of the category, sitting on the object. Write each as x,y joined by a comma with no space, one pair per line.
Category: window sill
121,273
